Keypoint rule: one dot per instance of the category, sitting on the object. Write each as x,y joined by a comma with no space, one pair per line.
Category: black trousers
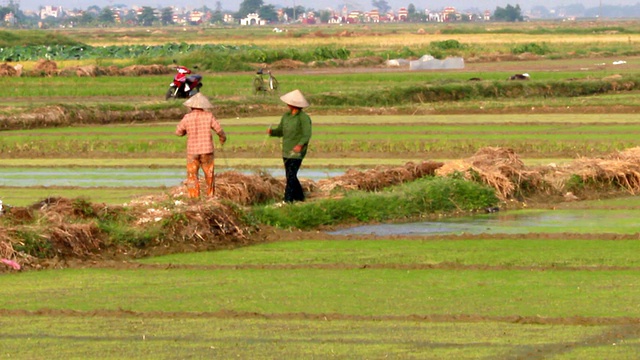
293,190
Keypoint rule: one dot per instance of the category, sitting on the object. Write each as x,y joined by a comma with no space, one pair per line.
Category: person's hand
297,148
223,139
269,130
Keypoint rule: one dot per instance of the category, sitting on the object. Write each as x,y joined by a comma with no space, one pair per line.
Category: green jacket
294,130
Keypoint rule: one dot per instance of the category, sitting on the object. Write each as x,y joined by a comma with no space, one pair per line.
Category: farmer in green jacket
295,131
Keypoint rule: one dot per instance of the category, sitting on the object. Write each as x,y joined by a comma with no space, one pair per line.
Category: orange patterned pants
194,163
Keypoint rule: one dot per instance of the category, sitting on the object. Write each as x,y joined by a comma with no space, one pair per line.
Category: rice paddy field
547,279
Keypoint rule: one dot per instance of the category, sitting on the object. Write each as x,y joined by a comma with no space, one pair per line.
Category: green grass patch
26,196
18,38
151,338
324,291
423,196
504,252
358,89
617,203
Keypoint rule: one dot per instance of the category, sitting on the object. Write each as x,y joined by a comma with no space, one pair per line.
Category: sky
233,5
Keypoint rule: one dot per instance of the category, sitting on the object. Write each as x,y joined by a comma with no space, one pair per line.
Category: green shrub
327,53
33,244
533,48
447,45
124,234
83,207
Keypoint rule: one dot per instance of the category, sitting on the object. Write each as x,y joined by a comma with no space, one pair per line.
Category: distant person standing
295,131
197,125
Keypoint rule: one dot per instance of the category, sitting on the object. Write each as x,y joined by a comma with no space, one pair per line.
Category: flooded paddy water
580,221
125,177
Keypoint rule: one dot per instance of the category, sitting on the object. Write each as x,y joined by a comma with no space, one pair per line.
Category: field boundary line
232,314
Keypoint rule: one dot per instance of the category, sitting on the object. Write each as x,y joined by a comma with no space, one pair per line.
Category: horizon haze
233,5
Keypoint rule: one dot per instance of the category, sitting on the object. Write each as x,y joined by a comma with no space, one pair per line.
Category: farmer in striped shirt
197,125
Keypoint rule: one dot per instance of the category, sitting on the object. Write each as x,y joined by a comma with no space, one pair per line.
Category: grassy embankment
62,100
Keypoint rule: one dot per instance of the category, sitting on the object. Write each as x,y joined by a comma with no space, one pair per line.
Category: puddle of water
125,177
520,222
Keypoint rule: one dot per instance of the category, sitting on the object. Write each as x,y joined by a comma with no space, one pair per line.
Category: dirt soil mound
287,64
50,68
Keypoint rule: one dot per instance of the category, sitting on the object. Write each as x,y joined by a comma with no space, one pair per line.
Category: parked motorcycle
184,84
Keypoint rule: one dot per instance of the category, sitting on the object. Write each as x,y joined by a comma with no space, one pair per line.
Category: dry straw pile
502,169
379,177
8,70
619,169
244,189
67,230
499,168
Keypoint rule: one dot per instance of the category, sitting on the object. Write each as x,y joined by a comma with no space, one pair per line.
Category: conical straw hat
198,101
295,98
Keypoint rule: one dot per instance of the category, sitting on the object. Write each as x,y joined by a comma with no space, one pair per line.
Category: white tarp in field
428,62
397,62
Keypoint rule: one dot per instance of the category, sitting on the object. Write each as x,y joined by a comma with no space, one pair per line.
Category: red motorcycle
184,84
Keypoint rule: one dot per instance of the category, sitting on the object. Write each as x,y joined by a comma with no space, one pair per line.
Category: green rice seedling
146,337
313,290
440,136
555,251
27,196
